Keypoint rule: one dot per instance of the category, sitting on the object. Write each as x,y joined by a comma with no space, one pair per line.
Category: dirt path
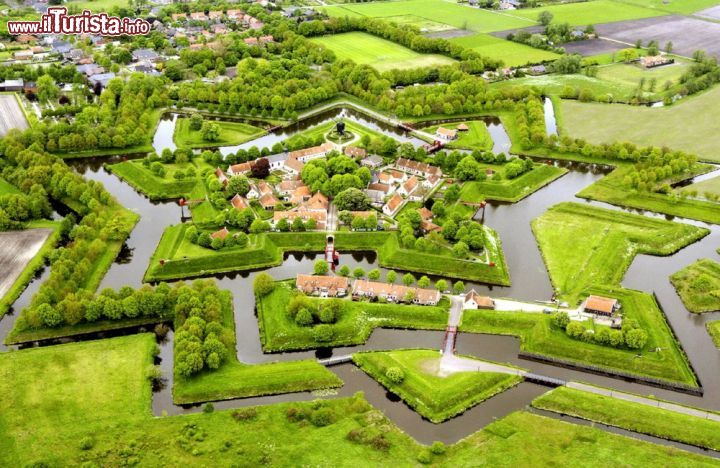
17,248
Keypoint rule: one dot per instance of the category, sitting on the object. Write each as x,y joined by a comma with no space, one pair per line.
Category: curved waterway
529,282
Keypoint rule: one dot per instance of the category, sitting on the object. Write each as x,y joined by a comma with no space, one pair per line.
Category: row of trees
631,336
334,174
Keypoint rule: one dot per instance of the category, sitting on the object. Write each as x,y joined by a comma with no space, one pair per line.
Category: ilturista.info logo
57,21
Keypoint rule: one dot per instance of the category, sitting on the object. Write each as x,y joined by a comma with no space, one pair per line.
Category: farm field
677,6
698,285
11,114
631,75
636,417
610,241
457,16
231,133
594,12
664,126
511,53
363,48
434,395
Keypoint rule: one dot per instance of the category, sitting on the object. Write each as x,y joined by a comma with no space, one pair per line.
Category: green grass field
634,417
631,74
512,54
476,137
585,246
231,133
702,189
698,285
511,190
439,11
145,181
8,189
664,126
383,55
594,12
611,189
675,6
557,84
538,334
434,396
354,324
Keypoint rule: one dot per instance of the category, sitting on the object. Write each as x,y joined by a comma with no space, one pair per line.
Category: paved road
450,364
332,219
11,115
456,310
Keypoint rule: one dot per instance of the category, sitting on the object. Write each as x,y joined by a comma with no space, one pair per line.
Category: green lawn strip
364,48
71,391
610,241
434,397
713,329
7,188
144,181
33,265
610,189
476,137
182,259
595,12
231,133
235,379
511,190
637,417
513,54
698,285
539,335
353,326
663,126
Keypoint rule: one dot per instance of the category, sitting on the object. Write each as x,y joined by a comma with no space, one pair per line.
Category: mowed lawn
458,16
594,12
631,75
363,48
511,53
690,125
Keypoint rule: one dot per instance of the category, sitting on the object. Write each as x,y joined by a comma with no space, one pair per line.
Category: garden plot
687,34
11,115
17,248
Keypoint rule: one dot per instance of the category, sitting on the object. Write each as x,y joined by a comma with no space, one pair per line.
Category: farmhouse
445,133
323,286
600,305
393,206
394,292
373,161
239,203
473,300
652,61
308,154
418,168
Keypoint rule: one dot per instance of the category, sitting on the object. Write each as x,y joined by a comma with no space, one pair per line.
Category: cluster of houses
408,181
339,286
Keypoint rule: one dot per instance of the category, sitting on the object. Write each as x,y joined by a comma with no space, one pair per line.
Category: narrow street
332,219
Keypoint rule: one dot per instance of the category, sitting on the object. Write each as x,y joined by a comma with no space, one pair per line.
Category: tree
461,250
636,338
561,319
47,89
408,279
441,285
352,199
545,17
374,274
263,284
452,194
669,47
344,270
323,333
321,267
358,272
261,168
196,121
210,131
238,185
391,276
304,317
395,375
574,329
424,282
459,287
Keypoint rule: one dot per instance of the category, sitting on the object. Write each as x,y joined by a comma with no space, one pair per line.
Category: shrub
208,408
86,443
395,375
438,448
323,333
321,267
322,417
379,442
425,457
244,414
636,338
562,320
574,329
304,317
327,315
263,284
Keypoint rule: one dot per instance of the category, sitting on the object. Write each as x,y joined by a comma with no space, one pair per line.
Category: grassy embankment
184,259
436,397
143,180
94,406
354,323
637,417
231,134
511,190
698,285
234,379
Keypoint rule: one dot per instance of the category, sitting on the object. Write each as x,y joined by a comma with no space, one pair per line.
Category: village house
263,188
145,55
221,176
473,300
304,214
23,55
393,205
651,61
198,16
418,168
308,154
463,127
215,15
431,181
287,187
277,161
428,226
239,203
354,152
293,166
268,201
446,133
241,169
101,80
317,202
323,286
600,305
300,195
394,292
221,234
12,85
373,161
425,214
409,186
